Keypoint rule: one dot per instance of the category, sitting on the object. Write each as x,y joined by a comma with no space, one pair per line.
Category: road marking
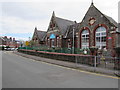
77,70
7,52
108,76
87,72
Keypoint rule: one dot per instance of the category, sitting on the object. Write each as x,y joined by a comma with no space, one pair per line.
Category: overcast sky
18,19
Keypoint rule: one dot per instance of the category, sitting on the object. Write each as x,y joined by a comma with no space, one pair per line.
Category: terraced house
95,29
10,42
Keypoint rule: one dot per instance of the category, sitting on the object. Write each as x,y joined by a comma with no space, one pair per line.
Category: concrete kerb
69,64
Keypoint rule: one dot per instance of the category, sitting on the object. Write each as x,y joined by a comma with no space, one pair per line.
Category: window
53,41
101,37
48,41
69,43
85,39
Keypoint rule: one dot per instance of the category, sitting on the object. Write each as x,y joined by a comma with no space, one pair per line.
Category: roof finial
53,13
35,28
92,2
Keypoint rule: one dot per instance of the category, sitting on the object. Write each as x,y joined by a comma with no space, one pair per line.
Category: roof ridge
65,19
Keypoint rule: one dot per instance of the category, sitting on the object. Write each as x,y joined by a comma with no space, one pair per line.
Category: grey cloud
31,14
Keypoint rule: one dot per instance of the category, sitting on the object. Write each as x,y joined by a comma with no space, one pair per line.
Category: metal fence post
76,61
26,49
95,63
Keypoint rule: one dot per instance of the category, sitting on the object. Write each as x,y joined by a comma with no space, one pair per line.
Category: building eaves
111,20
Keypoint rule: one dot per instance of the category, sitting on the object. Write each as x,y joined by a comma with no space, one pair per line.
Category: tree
32,43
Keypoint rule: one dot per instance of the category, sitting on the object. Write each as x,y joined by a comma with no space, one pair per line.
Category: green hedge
57,50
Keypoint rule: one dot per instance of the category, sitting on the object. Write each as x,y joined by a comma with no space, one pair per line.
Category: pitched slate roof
40,34
63,24
1,38
6,39
111,20
69,32
43,39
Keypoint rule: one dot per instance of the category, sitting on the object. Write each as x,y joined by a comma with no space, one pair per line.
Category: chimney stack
10,38
5,37
13,39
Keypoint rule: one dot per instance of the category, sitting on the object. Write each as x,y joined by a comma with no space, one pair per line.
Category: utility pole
73,48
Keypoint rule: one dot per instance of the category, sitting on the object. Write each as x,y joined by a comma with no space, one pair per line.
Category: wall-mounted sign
52,36
109,37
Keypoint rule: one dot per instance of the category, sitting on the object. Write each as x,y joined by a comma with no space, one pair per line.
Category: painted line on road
108,76
8,52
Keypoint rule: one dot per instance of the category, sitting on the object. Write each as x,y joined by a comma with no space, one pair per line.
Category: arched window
53,42
100,37
57,42
85,39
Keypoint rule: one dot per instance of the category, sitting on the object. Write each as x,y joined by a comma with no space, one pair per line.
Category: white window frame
86,35
57,41
52,43
100,33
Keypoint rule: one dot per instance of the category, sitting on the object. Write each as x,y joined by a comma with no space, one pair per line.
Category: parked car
16,49
12,49
7,49
117,73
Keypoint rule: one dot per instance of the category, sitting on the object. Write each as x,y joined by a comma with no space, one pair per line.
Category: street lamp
29,38
73,49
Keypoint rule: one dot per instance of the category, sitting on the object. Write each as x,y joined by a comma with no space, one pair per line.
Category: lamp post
29,38
73,48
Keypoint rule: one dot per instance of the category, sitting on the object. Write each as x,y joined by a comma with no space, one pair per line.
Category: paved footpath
70,65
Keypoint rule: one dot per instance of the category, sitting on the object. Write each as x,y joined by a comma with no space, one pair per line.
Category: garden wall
83,59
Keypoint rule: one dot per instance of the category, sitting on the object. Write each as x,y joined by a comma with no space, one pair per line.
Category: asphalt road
21,72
